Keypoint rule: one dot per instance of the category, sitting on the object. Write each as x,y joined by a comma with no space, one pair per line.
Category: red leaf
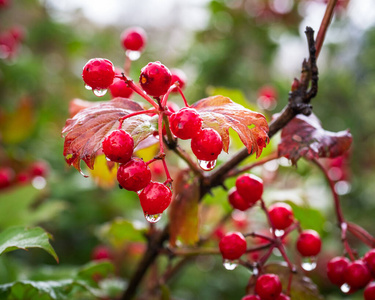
87,129
221,113
304,136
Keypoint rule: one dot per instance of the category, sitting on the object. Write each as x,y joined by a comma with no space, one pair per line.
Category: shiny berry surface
357,274
118,146
369,292
309,243
185,123
268,286
155,79
155,198
281,215
6,177
250,187
134,175
133,39
233,245
369,259
250,297
178,75
236,201
207,144
336,269
98,73
119,88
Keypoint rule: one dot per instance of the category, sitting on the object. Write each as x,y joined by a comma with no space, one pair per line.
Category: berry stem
258,235
291,228
344,240
182,95
121,120
258,248
286,258
264,208
361,234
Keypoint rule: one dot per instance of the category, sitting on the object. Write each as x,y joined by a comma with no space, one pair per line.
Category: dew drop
255,271
87,87
229,264
309,263
100,93
133,55
279,232
207,165
153,218
345,288
39,182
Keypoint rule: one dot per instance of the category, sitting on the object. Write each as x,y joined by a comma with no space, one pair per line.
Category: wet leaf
221,113
183,212
85,132
305,137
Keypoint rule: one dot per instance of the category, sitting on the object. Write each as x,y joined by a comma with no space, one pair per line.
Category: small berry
98,73
233,245
134,39
39,168
178,75
155,79
369,259
118,146
237,201
185,123
250,297
207,144
6,177
336,269
309,243
281,215
134,175
268,286
155,198
357,274
101,252
119,87
369,293
250,187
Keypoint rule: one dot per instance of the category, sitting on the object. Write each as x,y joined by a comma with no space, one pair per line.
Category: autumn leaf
85,132
305,137
221,113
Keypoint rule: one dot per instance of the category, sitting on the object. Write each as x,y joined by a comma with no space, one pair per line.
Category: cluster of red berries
267,287
354,275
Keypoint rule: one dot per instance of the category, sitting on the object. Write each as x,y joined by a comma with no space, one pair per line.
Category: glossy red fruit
236,201
233,245
178,75
134,175
6,177
119,88
118,146
250,187
309,243
101,252
98,73
134,39
39,168
357,274
281,215
336,269
207,144
250,297
155,79
268,287
369,259
155,198
283,297
185,123
369,293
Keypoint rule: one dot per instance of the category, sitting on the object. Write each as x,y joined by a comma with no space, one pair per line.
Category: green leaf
93,269
23,238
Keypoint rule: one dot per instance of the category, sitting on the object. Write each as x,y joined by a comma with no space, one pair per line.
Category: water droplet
276,252
279,232
345,288
309,263
153,218
133,55
100,93
207,165
229,264
169,185
255,271
87,87
39,182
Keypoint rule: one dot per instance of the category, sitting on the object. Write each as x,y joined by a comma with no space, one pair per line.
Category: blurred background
248,50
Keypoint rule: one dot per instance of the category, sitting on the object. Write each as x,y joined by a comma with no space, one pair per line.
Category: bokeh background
248,50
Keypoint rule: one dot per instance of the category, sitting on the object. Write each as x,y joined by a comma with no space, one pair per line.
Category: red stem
264,208
348,250
361,234
182,95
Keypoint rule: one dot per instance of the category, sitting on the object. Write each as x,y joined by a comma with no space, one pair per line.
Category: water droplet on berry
87,87
255,271
229,264
153,218
169,185
133,55
279,232
100,92
207,165
309,263
345,288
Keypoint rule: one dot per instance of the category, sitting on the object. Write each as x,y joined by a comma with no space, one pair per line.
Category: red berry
98,73
118,146
207,144
237,201
134,175
119,88
185,123
357,274
268,286
6,177
178,75
336,269
309,243
155,79
134,39
101,252
369,293
369,259
23,177
155,198
233,245
39,168
250,187
283,297
281,215
250,297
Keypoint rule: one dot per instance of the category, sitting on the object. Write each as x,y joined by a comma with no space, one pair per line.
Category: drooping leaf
221,113
305,137
14,238
85,132
183,212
